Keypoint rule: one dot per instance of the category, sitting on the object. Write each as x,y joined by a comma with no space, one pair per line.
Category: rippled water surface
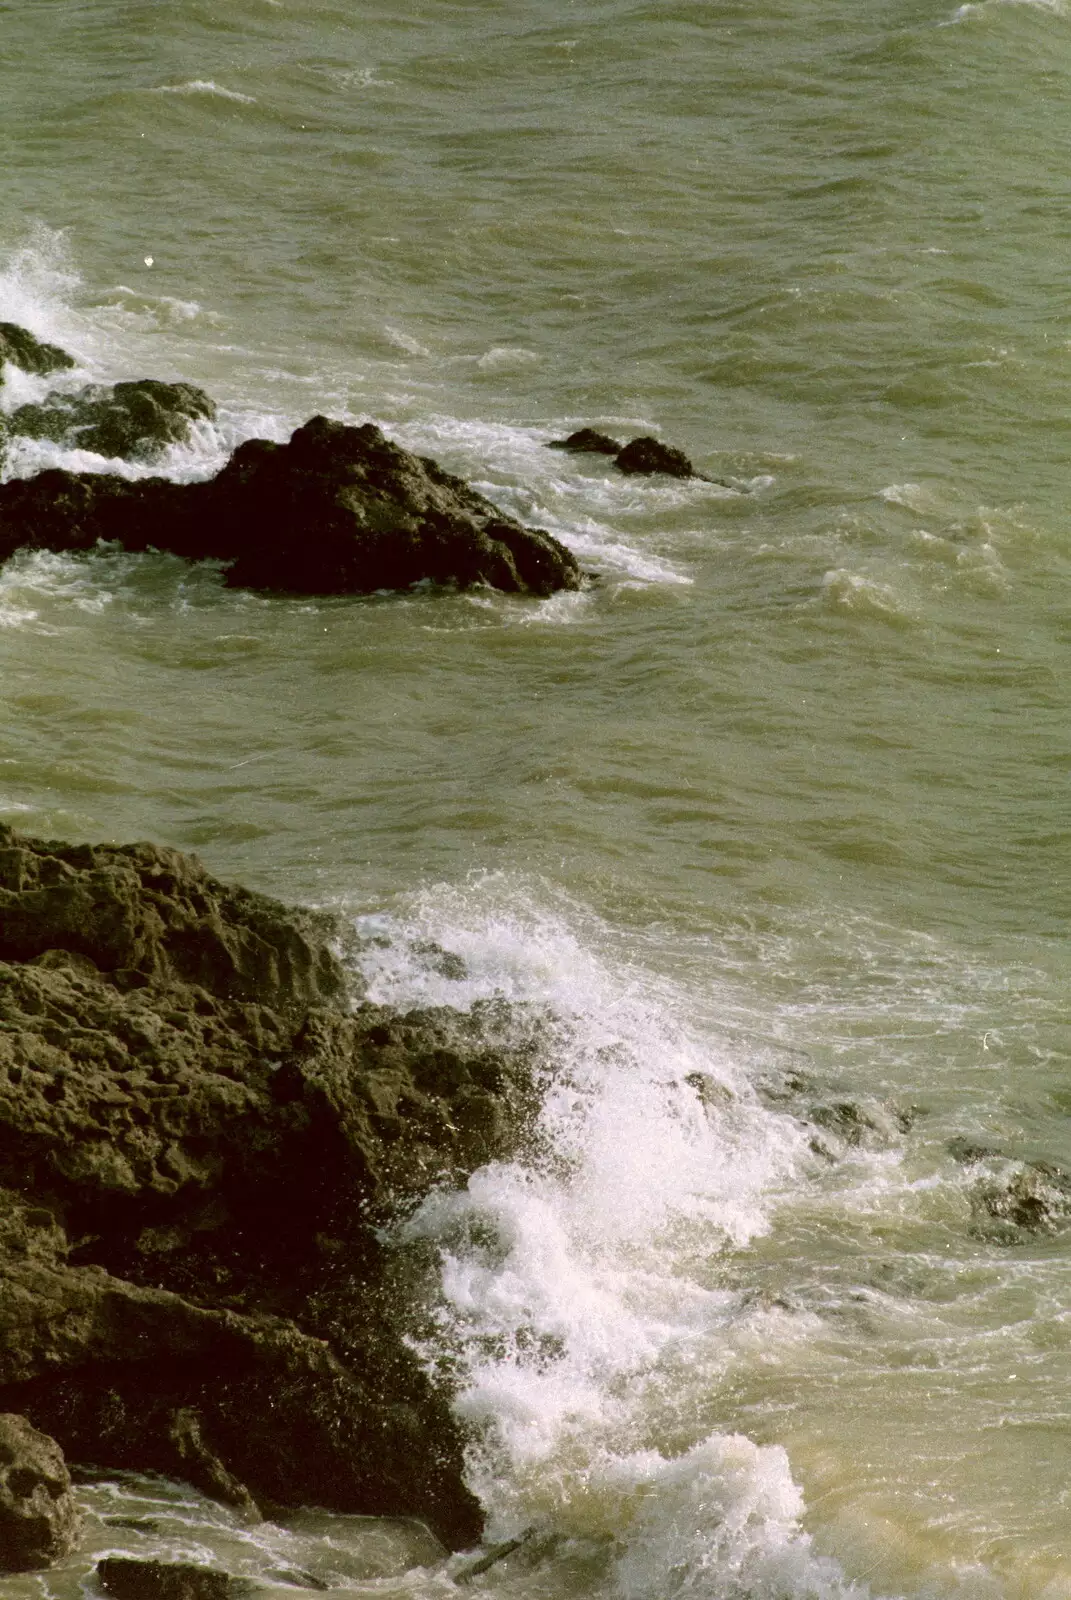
772,820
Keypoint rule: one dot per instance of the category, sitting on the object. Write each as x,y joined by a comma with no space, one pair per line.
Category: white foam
204,86
570,1303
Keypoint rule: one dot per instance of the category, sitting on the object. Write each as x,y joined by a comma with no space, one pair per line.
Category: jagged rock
136,419
198,1142
647,455
337,510
125,1578
587,441
23,350
39,1520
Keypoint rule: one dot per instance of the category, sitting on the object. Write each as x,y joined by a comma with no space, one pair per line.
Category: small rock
647,455
32,355
967,1152
39,1521
128,1579
587,440
1034,1199
135,420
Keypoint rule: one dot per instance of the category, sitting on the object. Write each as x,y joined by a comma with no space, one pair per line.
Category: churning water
770,826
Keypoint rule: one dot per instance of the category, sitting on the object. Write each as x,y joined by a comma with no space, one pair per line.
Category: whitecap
204,86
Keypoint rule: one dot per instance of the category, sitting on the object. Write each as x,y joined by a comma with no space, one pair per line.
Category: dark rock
587,440
125,1578
136,420
647,455
39,1521
31,354
1033,1198
199,1143
859,1123
338,510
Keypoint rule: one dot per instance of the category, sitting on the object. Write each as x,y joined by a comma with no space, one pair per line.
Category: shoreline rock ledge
336,510
201,1132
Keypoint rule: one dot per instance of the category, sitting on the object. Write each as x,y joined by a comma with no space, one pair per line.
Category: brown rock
22,349
39,1520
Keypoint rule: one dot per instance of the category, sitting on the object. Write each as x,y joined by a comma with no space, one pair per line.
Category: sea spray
570,1316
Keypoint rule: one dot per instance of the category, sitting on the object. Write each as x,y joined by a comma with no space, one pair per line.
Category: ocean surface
771,822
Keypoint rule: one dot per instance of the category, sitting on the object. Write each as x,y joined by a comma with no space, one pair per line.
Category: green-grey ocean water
782,800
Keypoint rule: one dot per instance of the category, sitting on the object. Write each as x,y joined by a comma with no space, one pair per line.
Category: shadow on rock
200,1139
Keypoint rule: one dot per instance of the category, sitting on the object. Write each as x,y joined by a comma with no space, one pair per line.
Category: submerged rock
137,420
337,510
39,1521
23,350
199,1139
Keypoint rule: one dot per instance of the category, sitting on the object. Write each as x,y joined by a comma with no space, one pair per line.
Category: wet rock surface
337,510
198,1141
125,1578
587,441
30,354
647,455
644,456
1025,1199
137,420
39,1521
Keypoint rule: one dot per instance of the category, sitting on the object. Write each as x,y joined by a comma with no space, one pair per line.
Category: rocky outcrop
39,1521
136,420
23,350
337,510
199,1138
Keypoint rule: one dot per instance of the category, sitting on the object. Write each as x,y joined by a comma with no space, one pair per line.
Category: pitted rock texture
39,1521
199,1138
337,510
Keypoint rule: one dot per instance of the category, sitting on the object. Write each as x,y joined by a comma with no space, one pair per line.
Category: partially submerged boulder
200,1137
644,456
39,1521
1030,1197
647,455
337,510
31,354
587,441
136,420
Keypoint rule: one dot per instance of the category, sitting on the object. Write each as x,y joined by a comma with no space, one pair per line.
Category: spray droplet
148,261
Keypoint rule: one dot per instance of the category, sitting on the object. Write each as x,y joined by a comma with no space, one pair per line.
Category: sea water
768,827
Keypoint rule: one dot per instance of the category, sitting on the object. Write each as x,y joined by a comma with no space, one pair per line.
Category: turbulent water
771,823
